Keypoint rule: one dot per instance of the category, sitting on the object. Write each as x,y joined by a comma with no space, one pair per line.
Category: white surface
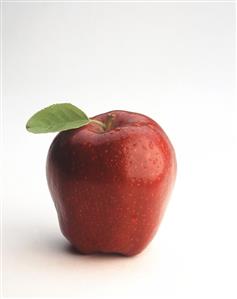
173,62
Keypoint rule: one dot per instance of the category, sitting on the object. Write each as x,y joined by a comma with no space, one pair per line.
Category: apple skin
110,188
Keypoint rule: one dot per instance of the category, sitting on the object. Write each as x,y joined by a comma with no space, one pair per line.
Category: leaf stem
100,123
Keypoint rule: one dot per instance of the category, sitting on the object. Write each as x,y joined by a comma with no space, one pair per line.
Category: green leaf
56,118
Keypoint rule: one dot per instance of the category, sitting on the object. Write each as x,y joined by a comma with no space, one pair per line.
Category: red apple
111,186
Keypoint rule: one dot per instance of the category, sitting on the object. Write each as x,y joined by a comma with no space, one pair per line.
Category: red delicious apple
111,185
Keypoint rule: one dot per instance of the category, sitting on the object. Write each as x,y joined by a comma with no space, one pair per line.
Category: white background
173,62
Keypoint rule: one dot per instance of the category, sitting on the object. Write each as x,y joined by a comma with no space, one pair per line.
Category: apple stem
109,121
107,125
103,125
